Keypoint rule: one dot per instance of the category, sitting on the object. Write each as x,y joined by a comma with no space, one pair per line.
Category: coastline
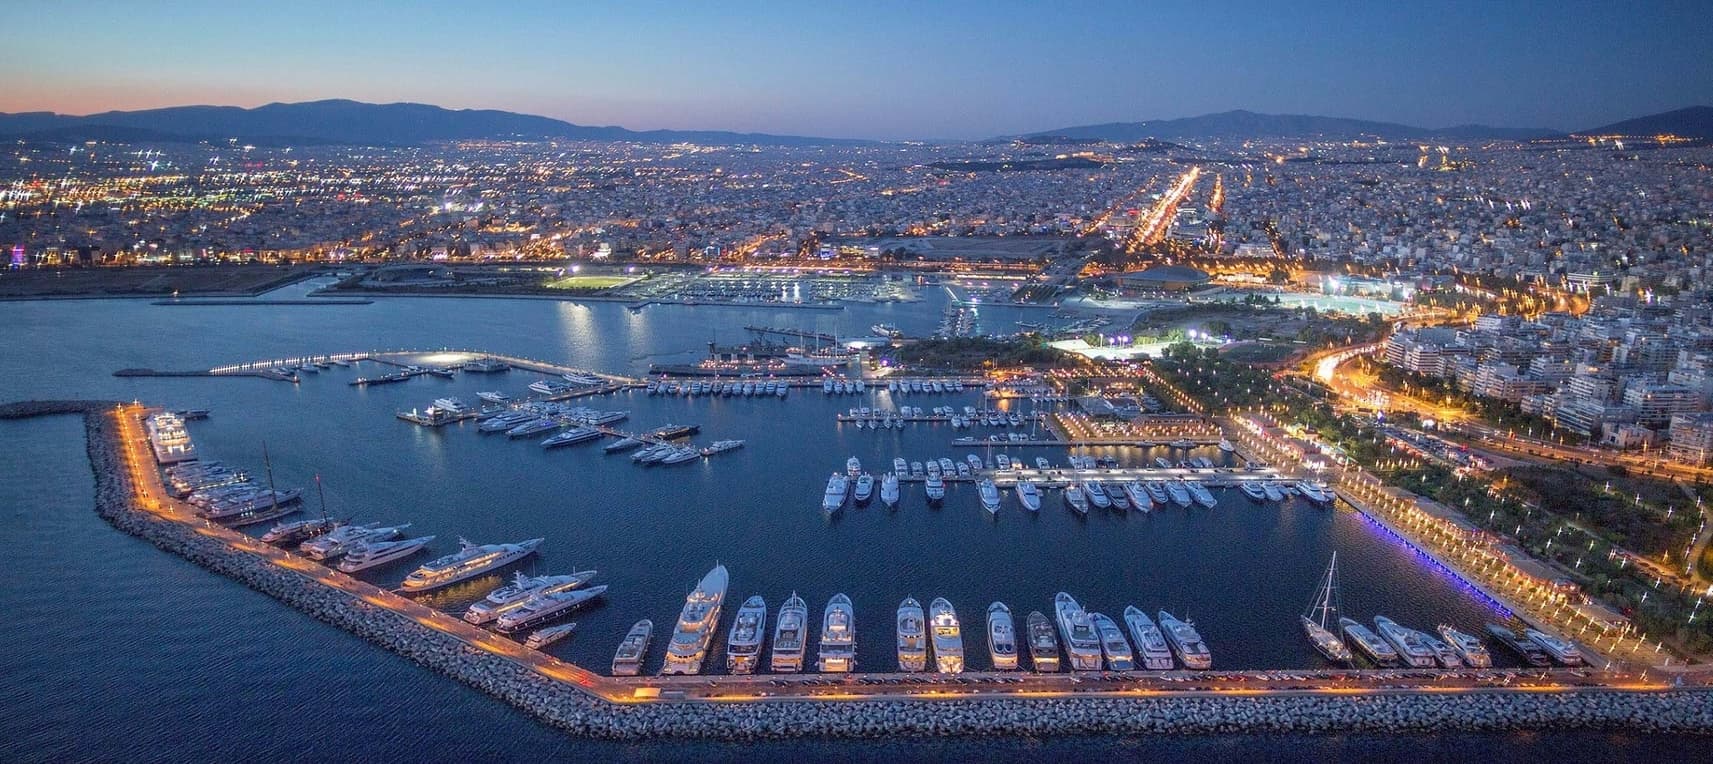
562,705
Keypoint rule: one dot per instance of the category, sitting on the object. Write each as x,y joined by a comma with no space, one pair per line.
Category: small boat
1226,446
912,636
1043,642
544,637
1151,645
1468,648
864,488
790,635
935,488
1028,495
628,660
899,466
853,467
1113,644
1001,637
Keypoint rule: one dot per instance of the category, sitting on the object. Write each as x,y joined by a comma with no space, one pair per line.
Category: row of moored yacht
740,389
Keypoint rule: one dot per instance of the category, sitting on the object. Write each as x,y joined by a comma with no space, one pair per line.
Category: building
1691,438
1657,404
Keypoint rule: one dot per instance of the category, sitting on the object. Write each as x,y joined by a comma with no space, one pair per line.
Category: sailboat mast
273,495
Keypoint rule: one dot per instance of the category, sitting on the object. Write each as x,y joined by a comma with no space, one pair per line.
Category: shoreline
563,705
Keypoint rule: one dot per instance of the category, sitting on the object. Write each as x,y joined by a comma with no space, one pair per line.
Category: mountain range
406,124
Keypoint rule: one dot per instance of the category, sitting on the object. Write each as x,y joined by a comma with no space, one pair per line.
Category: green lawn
589,282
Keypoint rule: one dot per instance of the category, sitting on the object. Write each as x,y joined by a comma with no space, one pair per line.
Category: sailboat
1323,611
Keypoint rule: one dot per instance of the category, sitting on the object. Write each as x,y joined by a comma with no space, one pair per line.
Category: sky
877,69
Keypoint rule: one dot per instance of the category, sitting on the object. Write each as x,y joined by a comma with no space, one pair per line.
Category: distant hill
1693,122
351,122
1247,124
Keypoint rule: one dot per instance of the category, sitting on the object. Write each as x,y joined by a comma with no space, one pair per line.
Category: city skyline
953,71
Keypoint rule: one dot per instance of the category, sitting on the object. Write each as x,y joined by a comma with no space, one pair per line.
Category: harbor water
117,649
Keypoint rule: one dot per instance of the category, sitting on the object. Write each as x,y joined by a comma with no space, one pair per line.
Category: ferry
544,637
1186,642
1151,645
542,608
790,635
912,636
1081,640
297,530
1097,495
838,636
864,488
1028,495
1315,492
1561,650
837,487
889,490
1368,642
1075,499
749,630
512,596
368,554
936,489
1447,656
627,661
989,496
947,637
1253,490
338,541
1043,642
1527,649
1001,637
1467,646
1179,492
1412,649
469,561
696,624
1201,494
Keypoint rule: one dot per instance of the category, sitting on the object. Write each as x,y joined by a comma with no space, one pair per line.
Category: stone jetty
562,705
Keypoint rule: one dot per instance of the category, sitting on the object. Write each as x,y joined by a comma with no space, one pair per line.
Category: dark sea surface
117,650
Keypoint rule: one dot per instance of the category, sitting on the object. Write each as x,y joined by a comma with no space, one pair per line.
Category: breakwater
563,705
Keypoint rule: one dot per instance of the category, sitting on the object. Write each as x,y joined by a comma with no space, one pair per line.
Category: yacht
1444,653
1028,495
251,504
1182,636
1527,649
369,554
864,488
790,635
1075,498
912,636
512,596
1368,642
973,461
1318,619
743,647
627,662
1081,640
1179,492
297,530
915,469
934,469
1001,637
1151,647
469,561
899,466
542,608
1273,491
696,624
1182,443
1157,492
838,636
1113,644
1226,446
1201,494
936,489
1138,498
1414,651
1468,647
1315,492
989,496
1561,650
572,437
889,490
946,636
837,486
338,541
549,635
1043,642
853,467
1041,463
533,427
1253,490
1115,493
1162,462
494,397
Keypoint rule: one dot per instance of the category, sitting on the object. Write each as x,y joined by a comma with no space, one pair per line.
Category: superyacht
696,624
1201,494
1075,499
1151,645
989,496
338,541
1414,651
1468,647
1097,495
837,487
1043,642
935,488
838,636
947,637
1525,648
542,608
1138,496
369,554
469,561
1377,649
749,630
1112,643
1561,650
549,635
912,638
1028,495
1081,640
889,490
513,596
1188,644
1001,637
791,635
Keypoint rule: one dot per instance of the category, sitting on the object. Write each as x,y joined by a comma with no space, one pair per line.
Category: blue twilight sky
876,69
